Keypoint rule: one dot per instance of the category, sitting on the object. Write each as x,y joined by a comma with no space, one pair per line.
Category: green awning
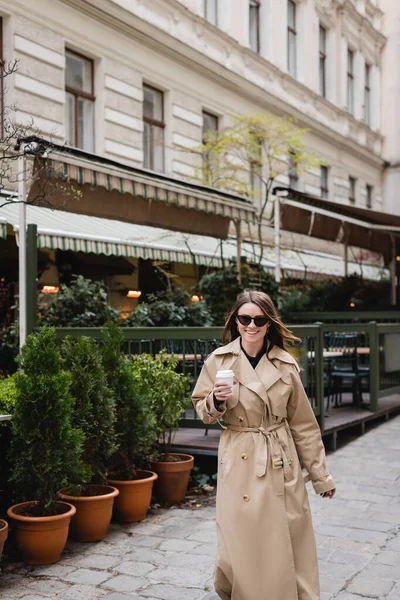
77,166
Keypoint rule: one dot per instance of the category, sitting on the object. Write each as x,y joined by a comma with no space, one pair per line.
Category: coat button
246,498
241,419
244,456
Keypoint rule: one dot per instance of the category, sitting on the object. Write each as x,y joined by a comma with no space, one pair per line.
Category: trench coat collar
258,380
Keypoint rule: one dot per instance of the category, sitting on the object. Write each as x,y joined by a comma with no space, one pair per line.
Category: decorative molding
39,52
124,151
115,116
27,84
187,115
116,85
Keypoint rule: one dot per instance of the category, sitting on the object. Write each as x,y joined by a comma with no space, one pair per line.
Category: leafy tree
81,304
46,448
94,411
248,156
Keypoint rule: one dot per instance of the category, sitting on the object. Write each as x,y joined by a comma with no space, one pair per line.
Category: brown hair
277,335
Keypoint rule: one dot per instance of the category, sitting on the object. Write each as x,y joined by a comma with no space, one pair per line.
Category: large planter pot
173,477
41,539
3,535
93,512
134,497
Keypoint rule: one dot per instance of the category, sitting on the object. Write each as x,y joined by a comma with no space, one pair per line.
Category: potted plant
45,449
94,414
135,430
3,535
170,399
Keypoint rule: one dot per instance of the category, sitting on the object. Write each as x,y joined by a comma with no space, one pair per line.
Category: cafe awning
110,189
59,230
352,225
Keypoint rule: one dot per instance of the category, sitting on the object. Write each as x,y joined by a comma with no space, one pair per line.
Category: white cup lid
227,373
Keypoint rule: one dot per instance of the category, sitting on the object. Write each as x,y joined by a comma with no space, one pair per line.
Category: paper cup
226,376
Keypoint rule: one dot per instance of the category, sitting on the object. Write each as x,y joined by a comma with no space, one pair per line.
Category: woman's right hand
222,391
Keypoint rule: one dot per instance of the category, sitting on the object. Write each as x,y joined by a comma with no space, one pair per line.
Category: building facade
140,82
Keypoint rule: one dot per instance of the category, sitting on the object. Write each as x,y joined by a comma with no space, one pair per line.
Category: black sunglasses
258,321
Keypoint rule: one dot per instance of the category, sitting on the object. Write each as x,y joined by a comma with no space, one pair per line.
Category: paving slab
170,555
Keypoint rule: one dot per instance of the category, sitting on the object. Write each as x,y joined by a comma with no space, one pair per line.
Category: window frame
154,123
352,189
206,11
292,34
203,131
369,194
254,8
350,81
324,189
77,93
322,59
367,94
292,173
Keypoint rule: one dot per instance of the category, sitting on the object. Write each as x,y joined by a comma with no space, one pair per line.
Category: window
153,131
369,195
367,95
256,170
254,25
322,61
79,101
210,129
324,182
350,81
293,175
211,11
292,38
352,190
210,125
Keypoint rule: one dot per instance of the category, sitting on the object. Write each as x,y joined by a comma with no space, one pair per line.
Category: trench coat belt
268,436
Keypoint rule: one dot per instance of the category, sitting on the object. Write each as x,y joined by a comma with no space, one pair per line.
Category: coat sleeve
307,437
203,398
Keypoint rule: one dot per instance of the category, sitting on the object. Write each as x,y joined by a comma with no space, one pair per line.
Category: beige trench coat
266,546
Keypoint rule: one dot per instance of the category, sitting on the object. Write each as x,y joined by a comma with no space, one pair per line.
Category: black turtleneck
254,360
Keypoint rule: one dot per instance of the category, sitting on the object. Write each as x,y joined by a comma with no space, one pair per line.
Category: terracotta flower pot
3,534
173,478
41,539
134,497
93,513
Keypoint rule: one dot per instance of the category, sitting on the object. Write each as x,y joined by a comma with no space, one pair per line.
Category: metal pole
22,244
238,250
346,252
393,274
277,229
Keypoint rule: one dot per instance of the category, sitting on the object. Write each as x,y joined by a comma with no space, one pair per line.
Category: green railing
347,317
378,344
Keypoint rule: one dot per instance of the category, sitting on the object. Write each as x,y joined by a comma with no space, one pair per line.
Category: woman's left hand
329,494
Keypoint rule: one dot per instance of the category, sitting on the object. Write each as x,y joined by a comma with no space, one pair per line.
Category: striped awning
143,184
59,230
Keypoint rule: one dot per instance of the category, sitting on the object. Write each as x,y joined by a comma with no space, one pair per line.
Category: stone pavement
170,556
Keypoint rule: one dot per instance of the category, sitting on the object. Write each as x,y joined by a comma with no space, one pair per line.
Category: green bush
45,449
8,394
81,304
170,308
94,410
169,393
135,422
221,288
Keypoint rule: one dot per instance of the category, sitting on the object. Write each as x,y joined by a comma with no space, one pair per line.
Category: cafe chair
345,368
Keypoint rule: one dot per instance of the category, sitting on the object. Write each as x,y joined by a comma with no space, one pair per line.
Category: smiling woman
265,535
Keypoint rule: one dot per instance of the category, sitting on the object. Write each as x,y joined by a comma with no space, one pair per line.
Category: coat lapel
258,380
